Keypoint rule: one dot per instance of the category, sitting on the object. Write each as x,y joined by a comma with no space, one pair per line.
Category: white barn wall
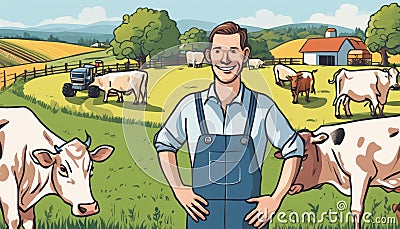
310,58
343,53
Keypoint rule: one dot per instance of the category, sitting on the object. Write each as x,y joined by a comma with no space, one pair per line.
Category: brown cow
302,82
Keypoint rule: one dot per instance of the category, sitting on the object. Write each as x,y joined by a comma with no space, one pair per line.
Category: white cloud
88,15
265,19
4,23
347,16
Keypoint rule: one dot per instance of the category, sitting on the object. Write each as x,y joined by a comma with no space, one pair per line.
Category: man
227,128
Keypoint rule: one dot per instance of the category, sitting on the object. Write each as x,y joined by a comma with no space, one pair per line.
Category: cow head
311,164
393,75
294,80
98,81
72,167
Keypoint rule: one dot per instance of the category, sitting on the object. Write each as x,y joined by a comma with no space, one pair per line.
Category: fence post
117,67
66,67
45,69
15,77
80,63
52,69
5,81
34,72
25,75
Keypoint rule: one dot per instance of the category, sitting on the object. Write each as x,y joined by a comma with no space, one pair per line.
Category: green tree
192,36
144,33
259,49
383,32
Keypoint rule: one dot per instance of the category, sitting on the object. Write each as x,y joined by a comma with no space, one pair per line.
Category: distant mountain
338,28
185,25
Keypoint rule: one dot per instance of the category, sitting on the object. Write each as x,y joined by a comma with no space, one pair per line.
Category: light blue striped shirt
269,124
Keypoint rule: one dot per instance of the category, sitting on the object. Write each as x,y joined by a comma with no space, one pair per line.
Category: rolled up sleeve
172,135
281,135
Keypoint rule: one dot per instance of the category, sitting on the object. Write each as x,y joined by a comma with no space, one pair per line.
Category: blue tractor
81,78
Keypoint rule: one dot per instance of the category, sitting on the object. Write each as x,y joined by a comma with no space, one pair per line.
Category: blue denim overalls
221,173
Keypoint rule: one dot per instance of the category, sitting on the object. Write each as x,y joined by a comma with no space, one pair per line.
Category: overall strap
200,114
251,114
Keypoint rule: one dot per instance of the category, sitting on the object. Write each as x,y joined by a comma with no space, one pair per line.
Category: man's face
227,57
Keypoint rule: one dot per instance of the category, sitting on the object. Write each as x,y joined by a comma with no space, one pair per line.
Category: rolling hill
291,49
17,51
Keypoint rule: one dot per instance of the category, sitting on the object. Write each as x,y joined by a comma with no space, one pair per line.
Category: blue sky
252,12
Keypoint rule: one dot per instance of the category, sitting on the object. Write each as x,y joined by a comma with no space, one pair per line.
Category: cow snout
88,209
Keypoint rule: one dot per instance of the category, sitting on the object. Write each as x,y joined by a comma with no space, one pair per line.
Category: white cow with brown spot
34,162
352,157
371,85
124,83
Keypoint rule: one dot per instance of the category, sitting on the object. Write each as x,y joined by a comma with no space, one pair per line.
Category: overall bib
222,175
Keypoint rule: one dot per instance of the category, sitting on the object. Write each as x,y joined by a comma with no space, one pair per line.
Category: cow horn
57,148
88,140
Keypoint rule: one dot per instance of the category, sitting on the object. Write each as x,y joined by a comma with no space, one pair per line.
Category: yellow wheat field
53,50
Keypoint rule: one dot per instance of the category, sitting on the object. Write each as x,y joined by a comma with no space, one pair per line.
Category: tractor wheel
94,91
67,90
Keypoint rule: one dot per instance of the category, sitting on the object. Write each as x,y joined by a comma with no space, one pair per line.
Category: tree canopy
383,32
144,33
259,49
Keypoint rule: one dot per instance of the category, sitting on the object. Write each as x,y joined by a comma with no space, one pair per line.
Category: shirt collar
212,95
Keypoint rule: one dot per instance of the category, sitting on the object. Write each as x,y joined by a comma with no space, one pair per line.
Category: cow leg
28,218
359,188
106,96
9,203
380,107
346,104
373,106
122,97
339,100
136,101
308,95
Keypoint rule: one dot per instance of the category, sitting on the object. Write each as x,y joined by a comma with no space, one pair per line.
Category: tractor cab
81,78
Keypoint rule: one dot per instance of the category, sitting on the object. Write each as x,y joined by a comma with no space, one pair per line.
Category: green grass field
128,195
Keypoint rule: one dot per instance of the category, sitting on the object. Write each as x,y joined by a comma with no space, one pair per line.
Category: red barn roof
331,44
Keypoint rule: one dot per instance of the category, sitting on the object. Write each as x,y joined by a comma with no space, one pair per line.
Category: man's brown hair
228,28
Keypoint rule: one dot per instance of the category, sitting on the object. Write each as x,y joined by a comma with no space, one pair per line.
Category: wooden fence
8,79
286,61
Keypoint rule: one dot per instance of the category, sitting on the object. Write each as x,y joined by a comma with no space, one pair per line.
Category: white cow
194,59
124,83
352,157
371,85
255,63
282,72
35,162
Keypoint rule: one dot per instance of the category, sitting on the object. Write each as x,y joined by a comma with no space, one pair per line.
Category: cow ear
101,153
207,55
43,157
319,139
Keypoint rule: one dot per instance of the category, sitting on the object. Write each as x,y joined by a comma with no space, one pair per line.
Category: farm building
333,50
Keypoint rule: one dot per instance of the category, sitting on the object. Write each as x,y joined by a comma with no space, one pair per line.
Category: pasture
129,186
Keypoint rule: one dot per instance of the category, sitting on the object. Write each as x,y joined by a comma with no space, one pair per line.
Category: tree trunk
384,57
142,60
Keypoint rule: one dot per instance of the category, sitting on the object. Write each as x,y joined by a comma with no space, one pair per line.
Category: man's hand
263,213
191,202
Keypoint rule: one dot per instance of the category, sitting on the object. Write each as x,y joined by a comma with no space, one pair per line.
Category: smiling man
227,128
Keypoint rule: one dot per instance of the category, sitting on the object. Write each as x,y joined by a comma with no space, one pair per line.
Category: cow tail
334,76
314,71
